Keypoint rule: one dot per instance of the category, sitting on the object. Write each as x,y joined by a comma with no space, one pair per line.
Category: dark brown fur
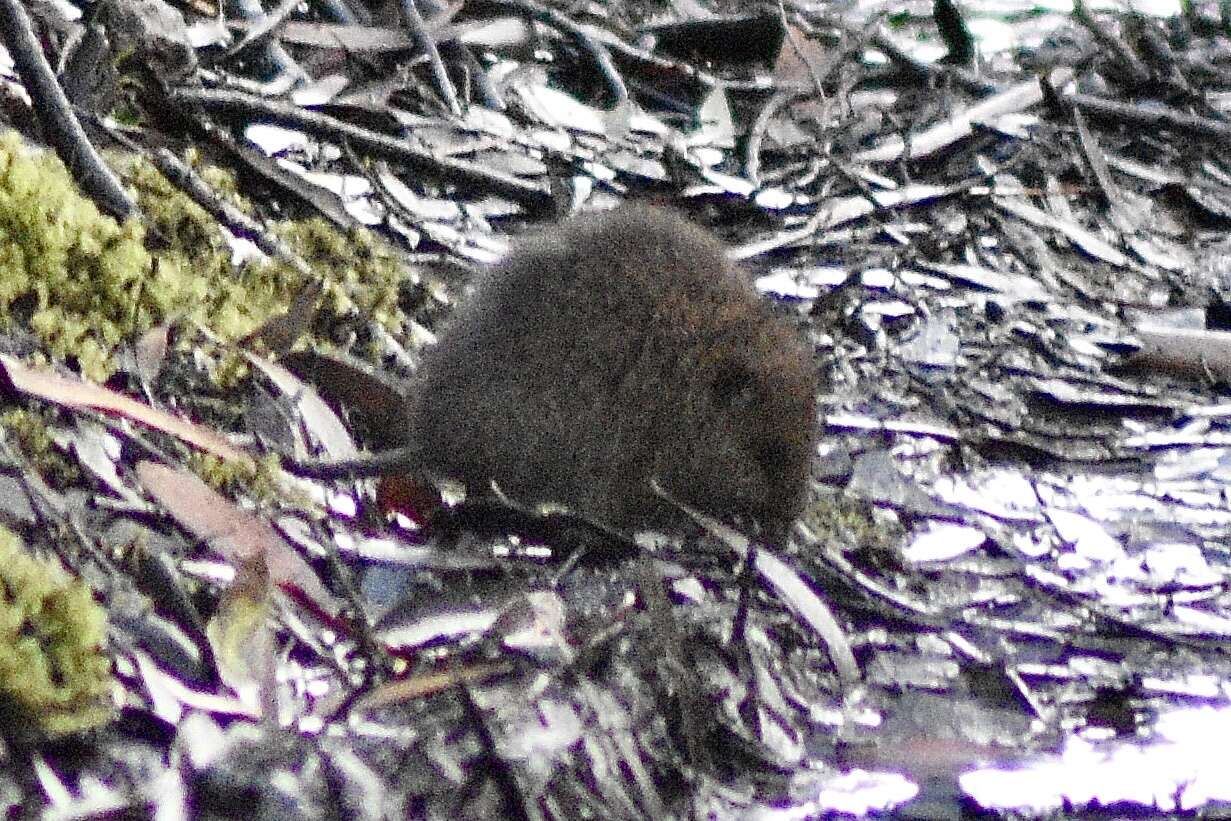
614,348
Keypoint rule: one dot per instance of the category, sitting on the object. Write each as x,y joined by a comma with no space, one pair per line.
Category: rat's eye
733,385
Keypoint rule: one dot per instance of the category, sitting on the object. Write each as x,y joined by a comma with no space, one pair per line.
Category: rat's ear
733,384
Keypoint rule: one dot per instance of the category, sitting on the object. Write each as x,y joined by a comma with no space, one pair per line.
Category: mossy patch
61,260
361,273
259,480
84,283
852,525
55,679
29,431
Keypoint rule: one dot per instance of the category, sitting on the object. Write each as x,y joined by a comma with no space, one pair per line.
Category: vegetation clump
852,525
258,480
30,432
85,283
361,273
55,679
61,260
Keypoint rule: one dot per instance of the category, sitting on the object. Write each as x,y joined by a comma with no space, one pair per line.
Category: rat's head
745,442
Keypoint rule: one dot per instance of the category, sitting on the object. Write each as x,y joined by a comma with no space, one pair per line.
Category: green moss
260,481
28,429
197,256
54,677
61,260
84,283
361,273
852,523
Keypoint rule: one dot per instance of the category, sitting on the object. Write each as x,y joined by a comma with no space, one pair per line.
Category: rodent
609,349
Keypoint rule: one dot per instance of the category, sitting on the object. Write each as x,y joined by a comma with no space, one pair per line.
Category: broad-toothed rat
607,350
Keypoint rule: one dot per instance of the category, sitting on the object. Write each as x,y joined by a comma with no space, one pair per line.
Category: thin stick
55,113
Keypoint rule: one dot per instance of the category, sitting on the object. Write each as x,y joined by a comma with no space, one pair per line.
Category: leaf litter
1010,591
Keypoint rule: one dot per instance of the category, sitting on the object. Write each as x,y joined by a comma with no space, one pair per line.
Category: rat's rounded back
612,348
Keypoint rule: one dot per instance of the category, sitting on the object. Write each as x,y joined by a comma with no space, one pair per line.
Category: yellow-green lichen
260,480
28,430
360,273
230,302
84,284
66,269
55,679
852,525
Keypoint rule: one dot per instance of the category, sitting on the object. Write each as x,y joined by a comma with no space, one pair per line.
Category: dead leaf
318,417
408,689
240,537
76,393
799,58
281,332
373,397
242,638
1193,353
356,38
151,351
719,42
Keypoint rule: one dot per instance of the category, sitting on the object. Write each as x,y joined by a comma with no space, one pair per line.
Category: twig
278,58
1153,118
787,96
265,26
237,222
1015,98
1102,175
818,76
659,63
961,77
420,34
835,212
597,51
325,202
676,667
343,12
756,133
781,98
1137,71
534,196
518,806
458,52
60,125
